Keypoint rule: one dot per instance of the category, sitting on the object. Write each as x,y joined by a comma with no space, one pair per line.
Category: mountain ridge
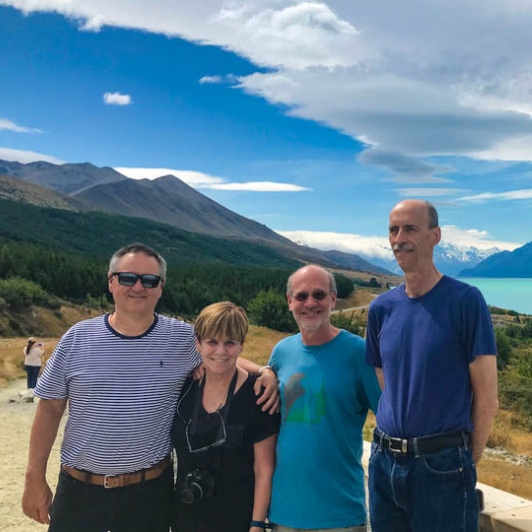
165,200
506,264
85,187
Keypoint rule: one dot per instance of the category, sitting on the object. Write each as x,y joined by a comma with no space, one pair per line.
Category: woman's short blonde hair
222,320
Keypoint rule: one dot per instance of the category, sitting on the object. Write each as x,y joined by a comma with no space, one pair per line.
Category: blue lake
511,294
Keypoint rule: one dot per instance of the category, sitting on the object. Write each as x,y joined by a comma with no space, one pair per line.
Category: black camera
199,483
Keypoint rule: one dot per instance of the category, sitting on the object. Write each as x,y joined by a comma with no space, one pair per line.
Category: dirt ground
15,424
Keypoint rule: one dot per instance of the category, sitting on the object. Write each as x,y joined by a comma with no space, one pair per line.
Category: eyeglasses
318,295
221,436
148,280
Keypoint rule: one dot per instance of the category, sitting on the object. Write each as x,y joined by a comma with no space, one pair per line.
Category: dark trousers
81,507
32,374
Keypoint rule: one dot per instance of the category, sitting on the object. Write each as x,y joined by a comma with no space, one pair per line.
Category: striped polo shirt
122,392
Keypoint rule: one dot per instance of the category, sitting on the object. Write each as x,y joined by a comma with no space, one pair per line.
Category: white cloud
21,156
228,79
474,238
11,126
393,115
427,192
512,195
311,32
379,247
510,149
259,186
347,242
116,98
201,180
192,178
411,78
211,79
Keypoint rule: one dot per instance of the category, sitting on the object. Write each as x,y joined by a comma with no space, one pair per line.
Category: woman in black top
225,444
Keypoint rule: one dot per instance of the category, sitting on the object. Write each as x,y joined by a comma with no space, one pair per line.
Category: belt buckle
106,481
403,445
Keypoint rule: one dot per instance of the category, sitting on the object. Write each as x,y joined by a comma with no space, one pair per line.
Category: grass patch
506,476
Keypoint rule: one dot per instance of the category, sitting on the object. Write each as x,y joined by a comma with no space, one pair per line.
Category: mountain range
166,200
84,187
507,264
449,258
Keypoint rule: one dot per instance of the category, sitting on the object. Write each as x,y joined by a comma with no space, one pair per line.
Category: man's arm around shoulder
267,383
37,497
483,375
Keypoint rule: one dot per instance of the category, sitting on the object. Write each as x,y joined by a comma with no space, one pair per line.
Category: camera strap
223,411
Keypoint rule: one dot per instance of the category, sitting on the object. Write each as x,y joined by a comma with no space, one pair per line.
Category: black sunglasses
318,295
148,280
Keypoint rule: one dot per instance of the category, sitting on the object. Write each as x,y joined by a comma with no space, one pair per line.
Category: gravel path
15,423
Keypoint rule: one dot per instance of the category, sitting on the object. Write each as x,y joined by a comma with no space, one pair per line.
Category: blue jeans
142,507
32,375
423,493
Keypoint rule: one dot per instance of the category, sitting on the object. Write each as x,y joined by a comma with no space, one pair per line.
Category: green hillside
48,255
98,234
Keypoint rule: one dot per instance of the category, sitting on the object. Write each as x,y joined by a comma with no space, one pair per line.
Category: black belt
423,445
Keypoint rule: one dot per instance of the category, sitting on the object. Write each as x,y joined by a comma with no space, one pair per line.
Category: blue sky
313,118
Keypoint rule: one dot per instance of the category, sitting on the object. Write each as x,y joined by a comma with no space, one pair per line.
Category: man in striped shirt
120,374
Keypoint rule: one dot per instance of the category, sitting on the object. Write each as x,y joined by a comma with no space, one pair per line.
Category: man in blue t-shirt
326,391
432,344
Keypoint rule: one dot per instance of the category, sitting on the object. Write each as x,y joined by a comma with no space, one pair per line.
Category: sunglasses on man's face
318,295
147,280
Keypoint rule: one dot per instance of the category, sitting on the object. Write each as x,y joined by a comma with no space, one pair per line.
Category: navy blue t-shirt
424,346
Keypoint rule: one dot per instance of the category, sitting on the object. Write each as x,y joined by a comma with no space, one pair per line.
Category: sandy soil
15,424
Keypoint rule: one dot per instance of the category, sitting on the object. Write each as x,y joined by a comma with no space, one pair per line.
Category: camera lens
198,484
191,494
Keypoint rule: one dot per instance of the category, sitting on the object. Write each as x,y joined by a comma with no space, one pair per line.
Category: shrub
19,294
270,309
504,348
344,285
343,321
516,395
524,366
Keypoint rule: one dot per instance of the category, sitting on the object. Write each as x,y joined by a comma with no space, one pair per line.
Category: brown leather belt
119,481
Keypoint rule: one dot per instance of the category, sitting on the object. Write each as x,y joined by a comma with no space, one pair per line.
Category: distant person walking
432,344
33,357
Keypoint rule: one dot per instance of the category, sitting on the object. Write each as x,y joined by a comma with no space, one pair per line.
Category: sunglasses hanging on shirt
207,433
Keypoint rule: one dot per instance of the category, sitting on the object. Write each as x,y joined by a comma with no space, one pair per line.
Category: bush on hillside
516,394
20,294
504,348
344,285
524,366
269,309
343,321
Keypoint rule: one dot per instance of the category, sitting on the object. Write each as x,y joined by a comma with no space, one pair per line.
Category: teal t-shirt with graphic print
326,392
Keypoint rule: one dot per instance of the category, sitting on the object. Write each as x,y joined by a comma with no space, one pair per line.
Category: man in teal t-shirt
326,390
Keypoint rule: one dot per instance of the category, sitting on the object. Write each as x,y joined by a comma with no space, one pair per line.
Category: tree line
39,275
